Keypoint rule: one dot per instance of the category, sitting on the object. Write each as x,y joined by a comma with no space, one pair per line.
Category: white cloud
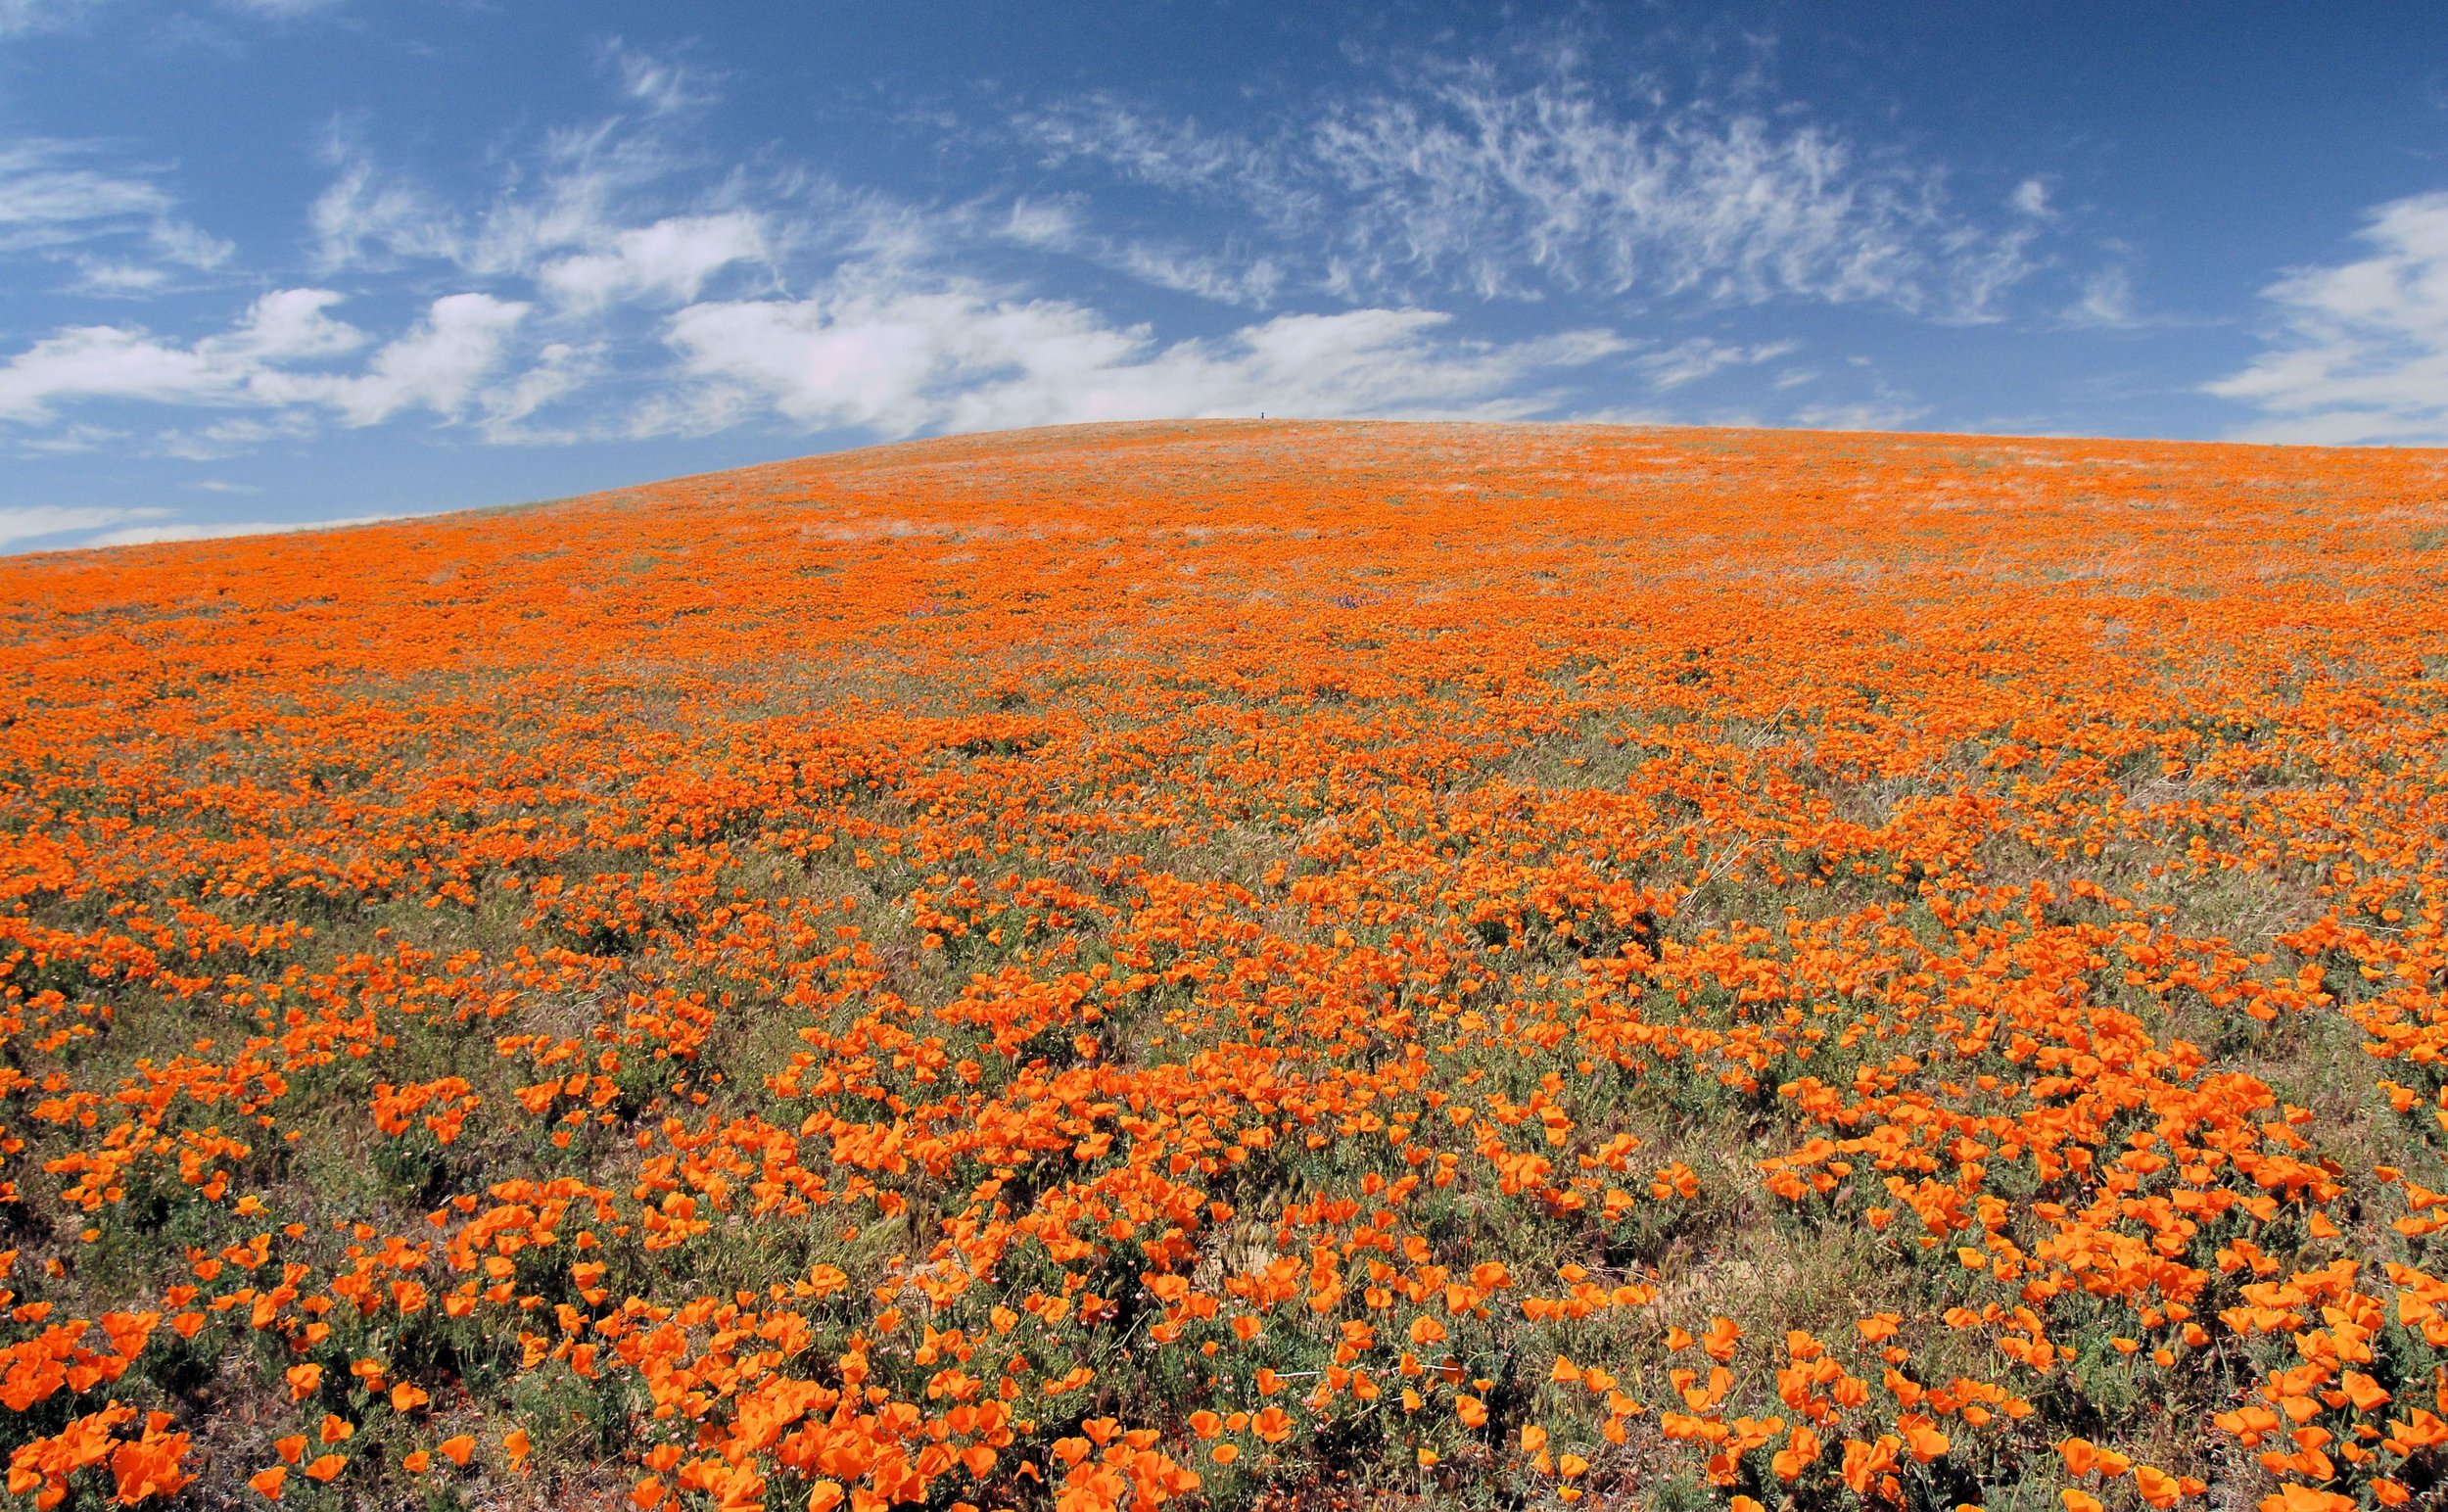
559,369
439,365
2362,351
1494,186
670,259
189,246
227,438
101,361
219,530
44,199
592,185
897,359
287,326
2107,301
18,18
1467,182
568,230
97,277
664,86
68,439
583,226
1255,282
1042,224
1884,414
360,221
1056,226
53,203
1689,361
436,366
37,521
282,10
1175,154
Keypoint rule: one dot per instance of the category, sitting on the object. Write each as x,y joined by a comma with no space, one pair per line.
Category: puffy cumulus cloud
896,360
2362,348
439,365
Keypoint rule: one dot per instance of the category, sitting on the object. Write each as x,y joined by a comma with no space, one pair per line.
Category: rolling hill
1246,963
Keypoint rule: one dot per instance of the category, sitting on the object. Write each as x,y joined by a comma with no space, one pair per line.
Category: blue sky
275,262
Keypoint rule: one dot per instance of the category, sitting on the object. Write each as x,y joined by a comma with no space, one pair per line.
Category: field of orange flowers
1246,964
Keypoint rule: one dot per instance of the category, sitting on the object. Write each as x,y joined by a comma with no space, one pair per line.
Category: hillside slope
1434,964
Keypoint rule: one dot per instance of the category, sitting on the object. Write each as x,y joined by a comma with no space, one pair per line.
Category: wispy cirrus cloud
2360,350
1232,275
47,195
661,83
118,227
1470,181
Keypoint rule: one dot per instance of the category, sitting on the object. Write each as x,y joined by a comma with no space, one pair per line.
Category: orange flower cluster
1147,964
